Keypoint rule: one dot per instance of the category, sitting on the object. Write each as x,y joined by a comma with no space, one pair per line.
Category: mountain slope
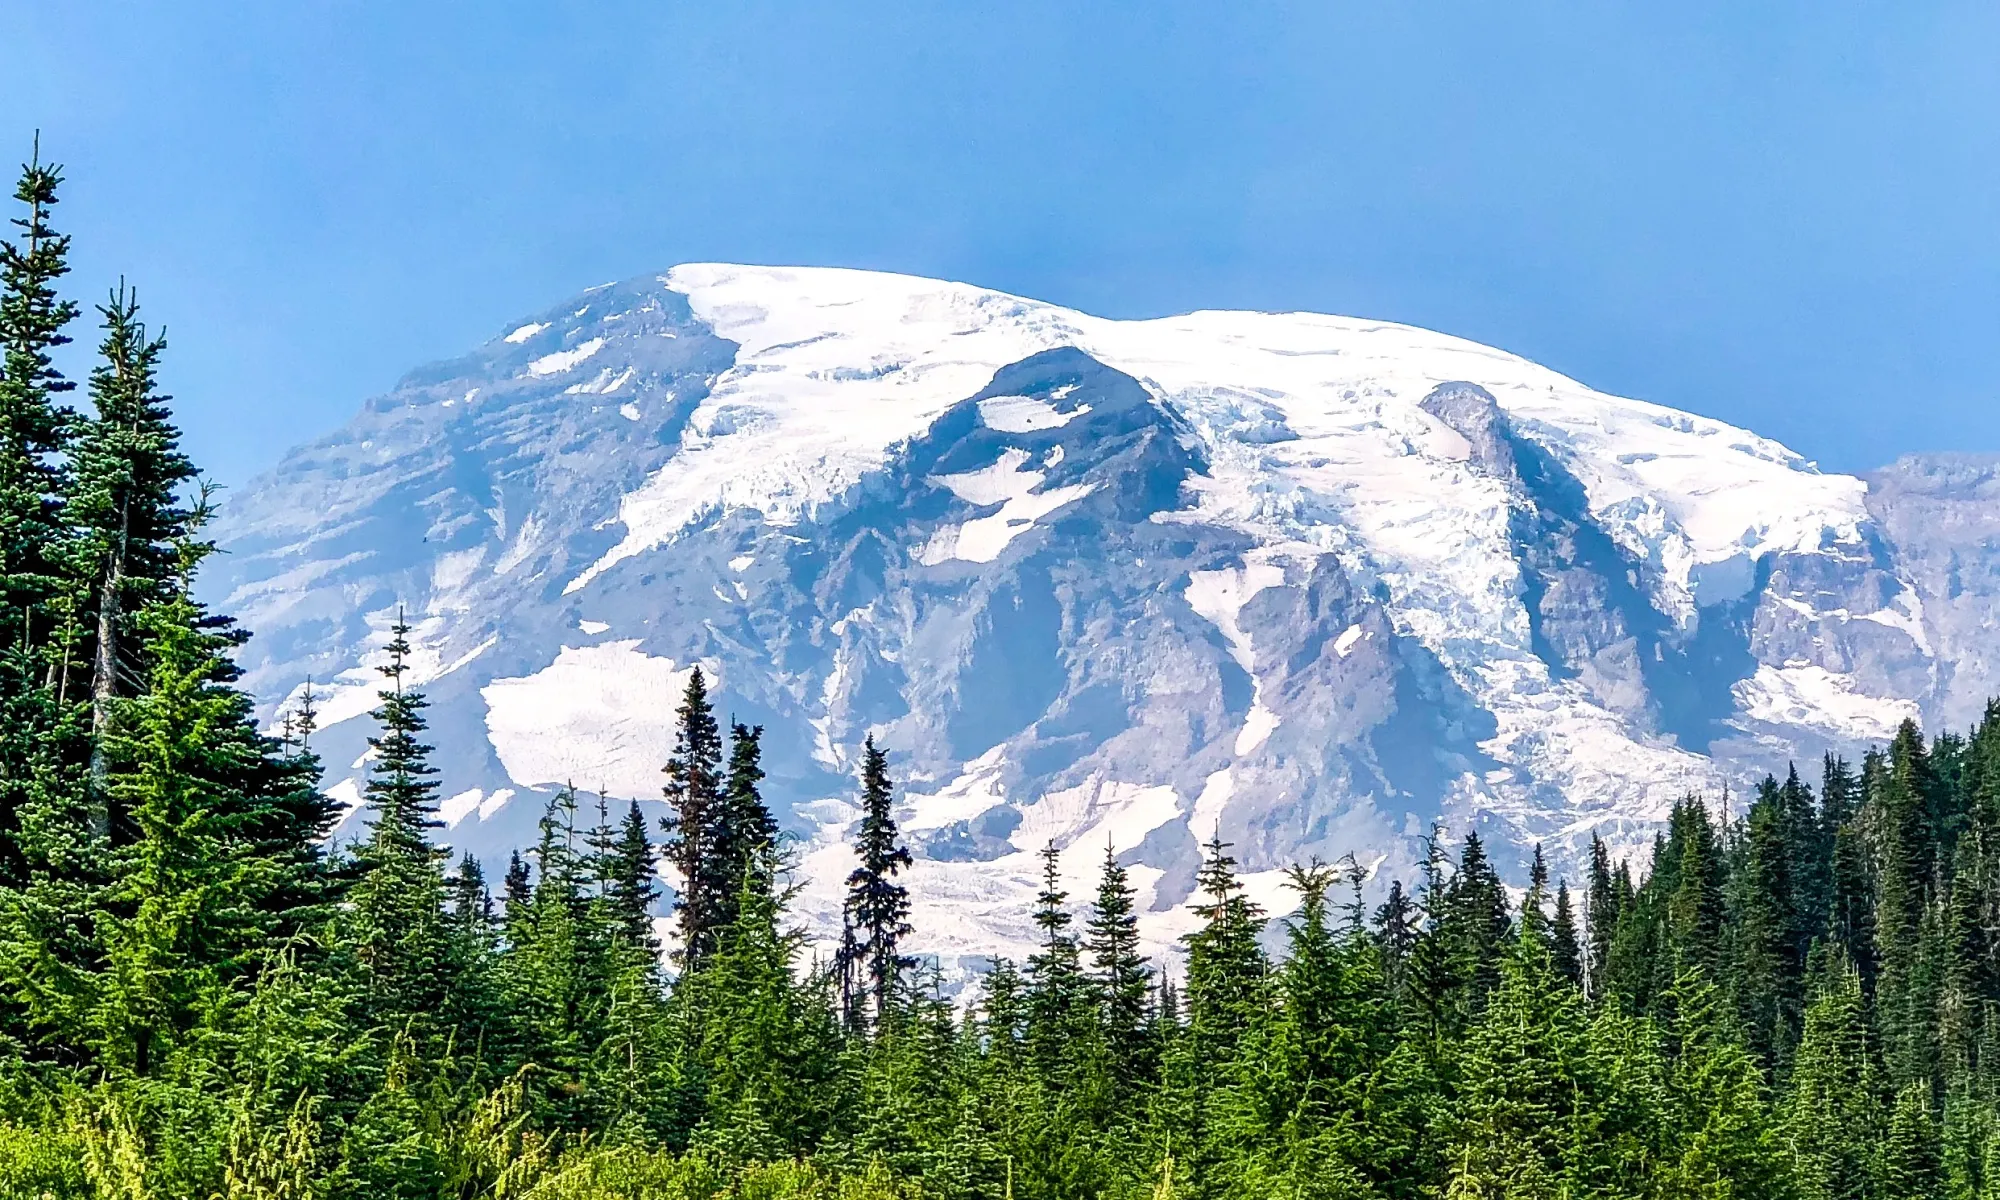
1302,582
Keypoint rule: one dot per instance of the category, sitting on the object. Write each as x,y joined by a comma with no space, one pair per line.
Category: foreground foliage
199,999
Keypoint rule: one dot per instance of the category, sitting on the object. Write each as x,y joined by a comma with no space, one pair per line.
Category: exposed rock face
1304,583
1939,517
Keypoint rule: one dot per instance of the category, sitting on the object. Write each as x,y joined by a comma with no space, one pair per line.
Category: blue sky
1783,214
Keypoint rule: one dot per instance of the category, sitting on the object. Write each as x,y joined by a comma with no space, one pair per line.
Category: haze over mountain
1306,583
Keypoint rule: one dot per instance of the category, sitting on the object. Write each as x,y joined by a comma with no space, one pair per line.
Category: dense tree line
199,997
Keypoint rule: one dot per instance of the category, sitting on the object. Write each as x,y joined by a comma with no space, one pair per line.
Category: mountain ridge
1305,582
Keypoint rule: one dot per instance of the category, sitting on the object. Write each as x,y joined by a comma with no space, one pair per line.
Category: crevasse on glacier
1306,583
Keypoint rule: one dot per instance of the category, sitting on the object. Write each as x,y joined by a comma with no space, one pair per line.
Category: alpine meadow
204,992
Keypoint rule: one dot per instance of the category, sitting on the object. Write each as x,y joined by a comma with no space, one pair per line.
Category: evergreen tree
33,429
1833,1121
1470,933
1535,901
1809,855
1601,913
1124,980
183,920
1565,950
1851,921
126,470
1059,1002
516,893
1396,927
630,882
878,907
694,824
1899,793
747,828
1770,963
1909,1168
398,927
1226,971
1695,905
1527,1084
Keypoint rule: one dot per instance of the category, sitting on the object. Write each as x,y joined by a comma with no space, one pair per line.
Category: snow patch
976,789
1206,819
1220,596
565,360
524,333
1006,484
1257,728
454,809
598,716
357,690
593,628
1814,696
1025,414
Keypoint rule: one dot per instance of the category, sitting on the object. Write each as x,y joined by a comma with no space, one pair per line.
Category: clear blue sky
1783,214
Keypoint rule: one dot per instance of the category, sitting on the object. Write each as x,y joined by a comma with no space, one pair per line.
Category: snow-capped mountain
1306,582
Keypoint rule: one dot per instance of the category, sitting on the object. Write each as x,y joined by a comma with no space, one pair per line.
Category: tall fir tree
126,472
1226,967
1123,978
746,828
630,883
1768,972
1565,948
34,425
694,824
878,908
1059,1000
1898,793
1600,914
398,898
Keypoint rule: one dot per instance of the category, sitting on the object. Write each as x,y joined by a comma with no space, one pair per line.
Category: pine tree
1396,921
694,824
746,828
1770,964
556,972
1696,905
877,906
1124,980
1600,914
126,470
1534,922
763,1051
1833,1120
1059,1011
630,882
398,927
183,920
1909,1168
1565,951
1726,1139
1809,853
1899,793
474,1007
33,429
1526,1081
1469,935
516,893
1226,971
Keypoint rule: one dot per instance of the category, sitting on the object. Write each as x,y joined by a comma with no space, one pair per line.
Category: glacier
1308,584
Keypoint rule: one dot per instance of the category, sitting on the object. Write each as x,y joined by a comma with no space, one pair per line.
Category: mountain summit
1305,583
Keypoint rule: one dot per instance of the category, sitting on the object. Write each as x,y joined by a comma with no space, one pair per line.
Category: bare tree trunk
104,675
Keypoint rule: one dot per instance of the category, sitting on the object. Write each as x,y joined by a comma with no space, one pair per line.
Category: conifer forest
1794,996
